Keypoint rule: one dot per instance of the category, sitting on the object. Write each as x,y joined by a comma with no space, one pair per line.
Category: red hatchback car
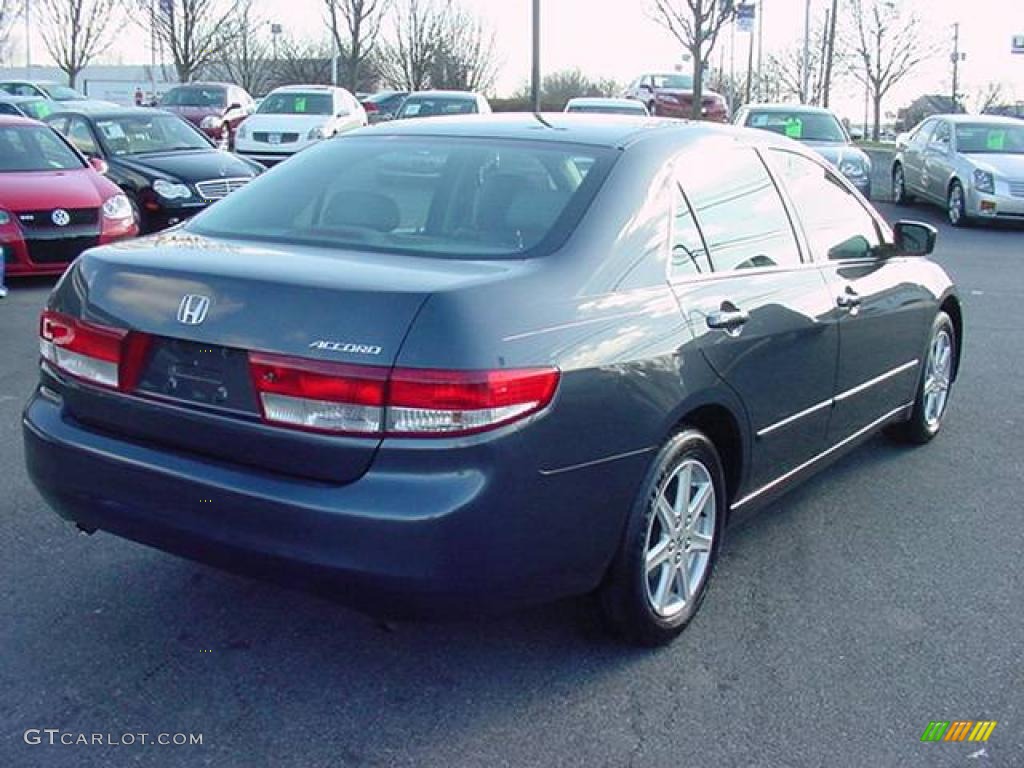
53,204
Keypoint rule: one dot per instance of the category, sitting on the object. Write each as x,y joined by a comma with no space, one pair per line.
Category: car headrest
495,197
369,210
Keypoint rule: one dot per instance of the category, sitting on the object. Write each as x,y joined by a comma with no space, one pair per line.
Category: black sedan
168,168
539,356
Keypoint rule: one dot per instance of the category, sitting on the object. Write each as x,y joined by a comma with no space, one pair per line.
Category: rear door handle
848,299
727,319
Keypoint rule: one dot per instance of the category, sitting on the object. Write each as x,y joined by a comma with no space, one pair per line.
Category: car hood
1010,166
835,152
199,165
285,123
44,190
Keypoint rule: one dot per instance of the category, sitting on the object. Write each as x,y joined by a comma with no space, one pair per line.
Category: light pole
805,82
28,41
956,57
535,84
275,30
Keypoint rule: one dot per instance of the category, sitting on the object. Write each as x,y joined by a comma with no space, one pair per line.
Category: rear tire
899,186
660,575
934,386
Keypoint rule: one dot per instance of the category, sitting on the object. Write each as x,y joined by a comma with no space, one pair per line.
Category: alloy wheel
938,374
898,185
680,538
956,205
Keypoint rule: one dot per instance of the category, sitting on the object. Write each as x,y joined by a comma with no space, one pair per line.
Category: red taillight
370,106
407,402
110,357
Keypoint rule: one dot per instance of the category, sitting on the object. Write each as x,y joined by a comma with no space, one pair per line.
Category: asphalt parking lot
880,596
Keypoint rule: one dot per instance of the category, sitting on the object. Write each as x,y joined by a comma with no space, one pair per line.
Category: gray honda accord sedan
464,364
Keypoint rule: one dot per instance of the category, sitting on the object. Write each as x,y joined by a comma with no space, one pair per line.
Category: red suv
53,204
215,108
671,95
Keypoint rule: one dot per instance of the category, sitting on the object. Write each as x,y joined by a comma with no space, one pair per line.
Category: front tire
934,385
956,205
899,186
661,572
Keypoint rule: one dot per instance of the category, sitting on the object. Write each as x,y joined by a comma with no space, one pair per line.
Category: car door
937,164
913,156
882,311
763,319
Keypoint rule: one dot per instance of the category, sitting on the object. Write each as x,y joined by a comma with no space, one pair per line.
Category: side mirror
234,107
914,238
98,164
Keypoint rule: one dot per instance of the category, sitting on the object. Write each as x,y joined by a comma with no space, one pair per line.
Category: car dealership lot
881,595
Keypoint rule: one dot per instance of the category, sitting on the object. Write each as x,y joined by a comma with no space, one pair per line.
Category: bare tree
696,24
989,96
245,58
888,45
416,35
787,68
195,32
464,59
76,31
10,10
355,26
303,61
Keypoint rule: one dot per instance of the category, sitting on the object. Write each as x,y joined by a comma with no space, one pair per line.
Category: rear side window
431,196
740,212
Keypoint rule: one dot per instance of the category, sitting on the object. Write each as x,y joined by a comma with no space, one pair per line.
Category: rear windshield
802,126
195,96
37,109
430,196
34,148
417,106
297,104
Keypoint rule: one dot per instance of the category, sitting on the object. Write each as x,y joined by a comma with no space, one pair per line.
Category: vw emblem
193,308
60,217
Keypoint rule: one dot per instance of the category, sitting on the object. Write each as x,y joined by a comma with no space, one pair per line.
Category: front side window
941,136
740,212
835,223
430,196
34,148
80,135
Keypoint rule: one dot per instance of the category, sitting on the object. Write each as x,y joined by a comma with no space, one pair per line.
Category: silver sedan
973,165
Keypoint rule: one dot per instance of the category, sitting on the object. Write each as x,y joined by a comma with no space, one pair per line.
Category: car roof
613,131
204,84
31,82
16,120
101,110
604,100
435,94
960,118
788,108
313,88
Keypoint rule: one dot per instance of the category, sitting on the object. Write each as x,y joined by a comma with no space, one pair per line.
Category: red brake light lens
110,357
407,402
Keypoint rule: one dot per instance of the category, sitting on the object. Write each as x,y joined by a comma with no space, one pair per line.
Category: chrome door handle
848,300
727,319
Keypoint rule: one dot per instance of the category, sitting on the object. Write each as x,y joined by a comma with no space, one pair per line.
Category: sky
618,39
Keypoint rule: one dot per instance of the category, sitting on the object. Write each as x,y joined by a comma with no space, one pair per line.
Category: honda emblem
193,308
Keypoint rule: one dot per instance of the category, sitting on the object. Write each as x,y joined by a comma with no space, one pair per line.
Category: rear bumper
470,528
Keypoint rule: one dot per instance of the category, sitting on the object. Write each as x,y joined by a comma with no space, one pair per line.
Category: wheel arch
722,427
951,306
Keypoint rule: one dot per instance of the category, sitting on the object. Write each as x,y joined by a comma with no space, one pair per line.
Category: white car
292,118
